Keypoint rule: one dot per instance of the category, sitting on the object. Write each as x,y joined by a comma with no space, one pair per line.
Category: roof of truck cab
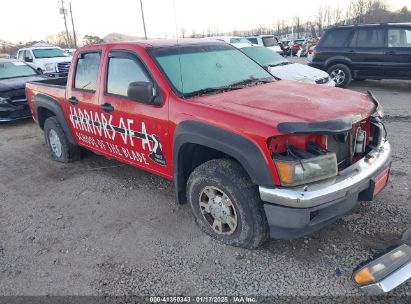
163,42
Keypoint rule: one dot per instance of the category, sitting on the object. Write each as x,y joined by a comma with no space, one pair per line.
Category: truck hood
298,72
288,101
14,87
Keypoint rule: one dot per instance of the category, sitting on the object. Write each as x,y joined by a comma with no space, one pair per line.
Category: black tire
229,177
341,74
68,152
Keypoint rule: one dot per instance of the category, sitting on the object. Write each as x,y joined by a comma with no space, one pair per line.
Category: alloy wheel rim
338,76
218,210
55,143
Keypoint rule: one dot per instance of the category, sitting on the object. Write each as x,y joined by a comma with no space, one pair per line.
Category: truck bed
53,82
54,88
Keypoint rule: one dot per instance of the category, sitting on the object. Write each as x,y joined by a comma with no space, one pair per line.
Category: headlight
3,100
50,67
323,80
380,268
302,171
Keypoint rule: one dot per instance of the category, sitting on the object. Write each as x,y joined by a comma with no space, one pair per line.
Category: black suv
373,51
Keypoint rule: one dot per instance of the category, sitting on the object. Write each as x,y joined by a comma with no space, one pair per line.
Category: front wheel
226,204
341,74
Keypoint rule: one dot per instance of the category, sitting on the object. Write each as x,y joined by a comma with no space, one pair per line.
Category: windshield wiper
233,86
242,83
210,90
281,63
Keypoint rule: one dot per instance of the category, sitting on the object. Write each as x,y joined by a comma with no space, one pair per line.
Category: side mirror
144,92
27,59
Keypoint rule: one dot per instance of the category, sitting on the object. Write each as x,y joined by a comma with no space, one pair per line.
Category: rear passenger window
336,38
87,71
122,71
399,37
368,38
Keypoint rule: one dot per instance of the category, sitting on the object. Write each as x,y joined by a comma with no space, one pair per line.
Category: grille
63,67
322,80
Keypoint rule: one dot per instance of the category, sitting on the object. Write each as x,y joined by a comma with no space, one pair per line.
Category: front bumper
55,74
16,109
297,211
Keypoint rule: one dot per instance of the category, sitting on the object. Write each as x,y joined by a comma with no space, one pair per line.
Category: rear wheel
226,204
341,74
59,147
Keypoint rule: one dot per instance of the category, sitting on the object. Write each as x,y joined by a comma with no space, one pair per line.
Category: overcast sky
25,20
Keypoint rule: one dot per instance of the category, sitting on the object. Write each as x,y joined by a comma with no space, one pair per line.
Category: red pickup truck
252,154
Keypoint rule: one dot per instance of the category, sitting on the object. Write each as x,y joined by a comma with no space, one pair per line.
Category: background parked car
285,47
69,52
13,77
374,51
296,45
52,61
268,41
234,40
284,69
310,53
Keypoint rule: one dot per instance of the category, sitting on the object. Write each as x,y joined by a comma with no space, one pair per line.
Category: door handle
73,100
106,107
390,53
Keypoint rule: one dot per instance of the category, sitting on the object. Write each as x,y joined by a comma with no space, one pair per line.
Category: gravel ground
97,227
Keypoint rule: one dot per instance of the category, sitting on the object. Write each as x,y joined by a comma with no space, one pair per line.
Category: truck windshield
205,69
265,56
49,53
269,41
15,69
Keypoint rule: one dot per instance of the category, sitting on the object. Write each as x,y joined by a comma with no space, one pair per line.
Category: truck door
397,58
82,108
141,128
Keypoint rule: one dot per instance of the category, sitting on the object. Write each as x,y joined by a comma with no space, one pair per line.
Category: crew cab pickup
254,156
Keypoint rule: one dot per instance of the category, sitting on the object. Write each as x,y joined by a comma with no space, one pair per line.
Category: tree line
356,12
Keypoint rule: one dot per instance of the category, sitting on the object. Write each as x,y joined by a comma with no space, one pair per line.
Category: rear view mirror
144,92
28,59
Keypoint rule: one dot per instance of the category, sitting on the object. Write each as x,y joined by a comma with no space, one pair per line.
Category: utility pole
142,16
74,31
63,12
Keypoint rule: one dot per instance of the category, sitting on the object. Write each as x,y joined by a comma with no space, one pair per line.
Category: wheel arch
212,142
46,107
338,60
